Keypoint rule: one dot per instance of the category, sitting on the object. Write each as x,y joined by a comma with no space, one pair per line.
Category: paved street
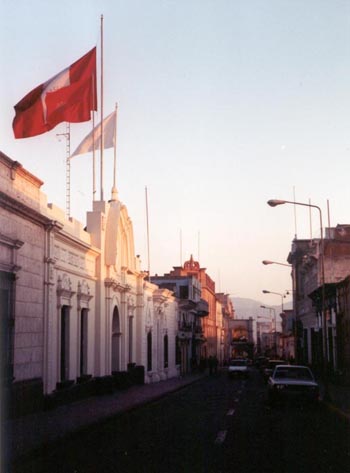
214,425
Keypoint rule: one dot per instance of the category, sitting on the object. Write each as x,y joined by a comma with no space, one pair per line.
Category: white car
292,383
238,367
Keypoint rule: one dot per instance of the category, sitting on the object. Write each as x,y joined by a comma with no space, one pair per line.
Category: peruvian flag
70,96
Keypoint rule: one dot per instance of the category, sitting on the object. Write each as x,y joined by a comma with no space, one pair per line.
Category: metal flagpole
310,218
93,146
180,247
102,140
68,169
148,252
67,137
115,151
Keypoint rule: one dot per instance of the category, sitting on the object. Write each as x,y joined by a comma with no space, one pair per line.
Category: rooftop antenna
310,217
180,247
148,251
295,214
67,137
199,235
328,212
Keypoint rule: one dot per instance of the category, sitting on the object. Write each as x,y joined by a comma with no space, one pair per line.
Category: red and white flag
93,139
70,96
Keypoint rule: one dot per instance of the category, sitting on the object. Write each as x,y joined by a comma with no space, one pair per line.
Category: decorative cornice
17,207
117,285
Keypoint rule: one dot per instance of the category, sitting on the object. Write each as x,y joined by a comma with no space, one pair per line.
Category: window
83,341
149,351
183,292
64,343
166,354
177,351
7,324
130,339
115,340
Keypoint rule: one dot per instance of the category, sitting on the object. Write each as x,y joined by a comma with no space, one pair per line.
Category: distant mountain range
245,308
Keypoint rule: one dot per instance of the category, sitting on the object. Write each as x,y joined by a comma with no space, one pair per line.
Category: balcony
202,308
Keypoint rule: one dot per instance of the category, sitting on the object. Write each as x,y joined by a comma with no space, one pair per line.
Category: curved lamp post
275,203
266,261
278,294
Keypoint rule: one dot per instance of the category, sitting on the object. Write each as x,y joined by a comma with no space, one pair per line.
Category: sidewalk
30,432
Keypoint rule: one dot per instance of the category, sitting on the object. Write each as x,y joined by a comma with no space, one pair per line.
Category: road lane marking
231,412
220,438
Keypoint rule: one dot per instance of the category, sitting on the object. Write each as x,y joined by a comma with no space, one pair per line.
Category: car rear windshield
238,363
293,373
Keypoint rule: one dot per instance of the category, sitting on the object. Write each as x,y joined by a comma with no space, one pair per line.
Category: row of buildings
77,307
317,330
321,300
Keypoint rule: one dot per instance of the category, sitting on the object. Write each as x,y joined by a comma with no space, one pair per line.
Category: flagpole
102,140
148,252
93,146
114,189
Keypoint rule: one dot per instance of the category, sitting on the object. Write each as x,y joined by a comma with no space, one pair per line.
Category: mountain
245,308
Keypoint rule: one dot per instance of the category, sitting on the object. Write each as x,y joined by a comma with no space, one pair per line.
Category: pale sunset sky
223,105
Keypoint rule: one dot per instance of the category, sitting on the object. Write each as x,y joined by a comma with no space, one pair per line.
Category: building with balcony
228,314
208,323
191,309
310,305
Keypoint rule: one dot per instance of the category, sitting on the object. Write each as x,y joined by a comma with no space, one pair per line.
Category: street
214,425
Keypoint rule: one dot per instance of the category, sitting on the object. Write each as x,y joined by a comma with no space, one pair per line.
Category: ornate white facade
78,304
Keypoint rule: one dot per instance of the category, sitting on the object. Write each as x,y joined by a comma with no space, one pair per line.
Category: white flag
87,144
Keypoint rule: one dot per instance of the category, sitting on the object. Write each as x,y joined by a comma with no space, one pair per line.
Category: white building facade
76,304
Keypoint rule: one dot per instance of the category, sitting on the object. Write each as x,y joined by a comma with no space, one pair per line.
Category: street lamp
278,294
266,261
274,312
275,203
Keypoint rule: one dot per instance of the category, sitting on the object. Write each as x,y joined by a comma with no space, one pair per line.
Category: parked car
270,366
261,361
238,367
292,383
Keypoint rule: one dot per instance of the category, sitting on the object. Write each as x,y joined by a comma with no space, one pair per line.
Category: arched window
166,353
64,372
149,351
115,340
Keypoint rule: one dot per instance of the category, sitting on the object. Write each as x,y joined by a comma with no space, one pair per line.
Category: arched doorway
115,340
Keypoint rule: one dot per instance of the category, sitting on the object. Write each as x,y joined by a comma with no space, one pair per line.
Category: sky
222,105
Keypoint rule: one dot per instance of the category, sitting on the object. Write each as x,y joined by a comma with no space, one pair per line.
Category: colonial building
343,328
288,335
75,304
191,310
209,325
312,306
241,338
228,314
